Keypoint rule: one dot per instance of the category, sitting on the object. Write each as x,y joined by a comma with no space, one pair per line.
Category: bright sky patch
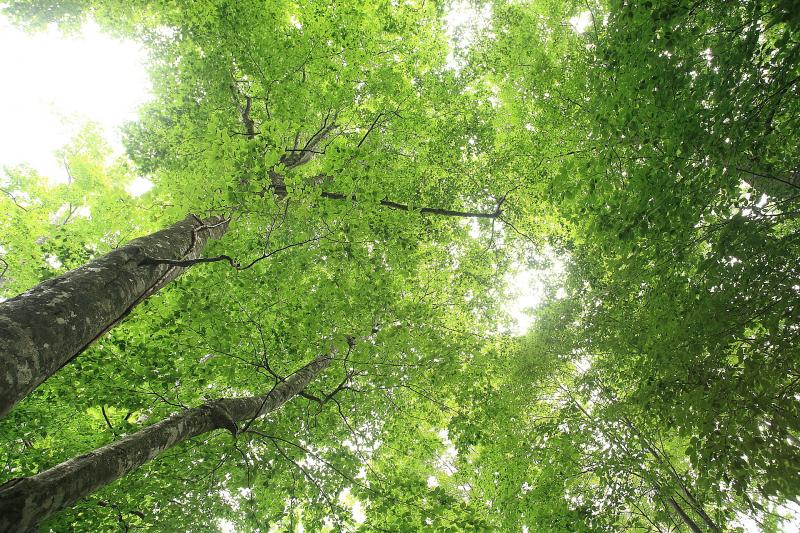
53,84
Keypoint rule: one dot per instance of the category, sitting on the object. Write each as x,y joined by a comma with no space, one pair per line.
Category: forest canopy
304,324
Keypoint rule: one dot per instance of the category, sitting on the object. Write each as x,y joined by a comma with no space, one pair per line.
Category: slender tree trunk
26,501
685,517
664,459
44,328
697,506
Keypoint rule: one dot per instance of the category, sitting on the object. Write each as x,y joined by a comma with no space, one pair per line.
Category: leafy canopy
377,193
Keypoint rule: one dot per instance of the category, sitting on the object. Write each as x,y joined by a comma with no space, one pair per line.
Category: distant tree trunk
24,502
44,328
685,517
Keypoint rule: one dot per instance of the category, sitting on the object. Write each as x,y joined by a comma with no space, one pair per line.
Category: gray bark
44,328
685,517
24,502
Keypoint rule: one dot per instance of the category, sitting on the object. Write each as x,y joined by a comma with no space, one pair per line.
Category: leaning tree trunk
44,328
685,517
26,501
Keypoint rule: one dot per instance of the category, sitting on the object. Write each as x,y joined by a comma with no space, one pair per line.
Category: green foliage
656,154
49,228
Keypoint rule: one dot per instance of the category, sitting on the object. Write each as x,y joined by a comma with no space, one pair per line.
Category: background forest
316,335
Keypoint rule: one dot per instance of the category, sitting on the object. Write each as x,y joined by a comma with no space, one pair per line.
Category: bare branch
183,263
70,211
298,157
249,123
70,179
108,422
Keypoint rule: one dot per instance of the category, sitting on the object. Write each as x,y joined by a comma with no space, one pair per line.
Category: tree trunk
44,328
685,517
26,501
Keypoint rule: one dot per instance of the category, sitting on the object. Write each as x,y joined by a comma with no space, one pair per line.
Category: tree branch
249,123
108,422
13,199
424,210
183,263
374,122
302,156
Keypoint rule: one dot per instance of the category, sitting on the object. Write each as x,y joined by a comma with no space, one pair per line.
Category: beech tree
378,186
305,179
47,326
26,501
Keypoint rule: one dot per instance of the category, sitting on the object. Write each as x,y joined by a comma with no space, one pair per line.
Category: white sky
527,289
53,84
462,24
581,22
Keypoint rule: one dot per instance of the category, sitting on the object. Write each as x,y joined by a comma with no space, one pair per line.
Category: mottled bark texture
24,502
44,328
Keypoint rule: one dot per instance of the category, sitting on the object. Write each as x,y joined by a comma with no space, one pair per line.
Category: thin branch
309,396
304,150
516,230
374,122
13,199
308,476
424,210
768,176
348,373
70,211
70,179
302,156
183,263
108,422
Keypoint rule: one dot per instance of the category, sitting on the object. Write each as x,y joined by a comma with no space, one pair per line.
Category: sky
53,84
462,24
580,22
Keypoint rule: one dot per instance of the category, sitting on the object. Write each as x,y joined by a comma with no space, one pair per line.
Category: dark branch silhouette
423,210
230,260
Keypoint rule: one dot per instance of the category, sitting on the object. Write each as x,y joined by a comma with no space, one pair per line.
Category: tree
360,254
374,191
46,327
25,502
680,255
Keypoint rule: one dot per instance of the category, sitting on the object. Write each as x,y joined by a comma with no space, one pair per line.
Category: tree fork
46,327
24,502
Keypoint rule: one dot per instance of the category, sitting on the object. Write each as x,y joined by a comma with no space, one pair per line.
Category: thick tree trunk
44,328
26,501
